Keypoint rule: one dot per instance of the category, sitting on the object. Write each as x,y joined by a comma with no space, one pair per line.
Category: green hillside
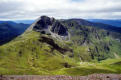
83,50
96,43
27,55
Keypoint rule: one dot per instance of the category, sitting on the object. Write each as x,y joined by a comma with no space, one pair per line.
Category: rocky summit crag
63,47
47,25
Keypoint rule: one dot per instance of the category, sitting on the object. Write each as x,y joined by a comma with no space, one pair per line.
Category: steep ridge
96,41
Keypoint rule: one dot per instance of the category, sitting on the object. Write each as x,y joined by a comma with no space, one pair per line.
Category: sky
61,9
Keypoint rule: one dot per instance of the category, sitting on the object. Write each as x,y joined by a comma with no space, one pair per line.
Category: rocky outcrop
55,46
47,25
59,29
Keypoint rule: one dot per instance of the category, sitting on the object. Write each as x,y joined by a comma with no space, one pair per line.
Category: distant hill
99,25
116,23
9,30
24,21
9,22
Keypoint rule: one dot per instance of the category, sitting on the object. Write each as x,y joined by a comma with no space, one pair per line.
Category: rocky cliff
50,26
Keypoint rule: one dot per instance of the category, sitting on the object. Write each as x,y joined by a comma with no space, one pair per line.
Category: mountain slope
99,40
24,21
10,30
99,25
55,47
116,23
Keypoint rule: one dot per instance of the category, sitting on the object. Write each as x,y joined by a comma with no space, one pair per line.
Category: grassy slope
27,55
85,68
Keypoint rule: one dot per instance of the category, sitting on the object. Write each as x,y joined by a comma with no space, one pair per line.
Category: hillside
116,23
24,21
108,27
55,47
10,30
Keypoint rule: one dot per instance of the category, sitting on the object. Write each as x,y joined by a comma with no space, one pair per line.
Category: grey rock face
43,23
51,26
59,29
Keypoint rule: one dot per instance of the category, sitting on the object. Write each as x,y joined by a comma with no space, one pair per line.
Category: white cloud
31,9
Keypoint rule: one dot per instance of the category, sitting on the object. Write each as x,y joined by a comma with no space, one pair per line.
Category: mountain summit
46,25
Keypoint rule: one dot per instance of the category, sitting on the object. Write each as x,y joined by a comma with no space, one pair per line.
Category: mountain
63,47
100,25
10,30
24,21
116,23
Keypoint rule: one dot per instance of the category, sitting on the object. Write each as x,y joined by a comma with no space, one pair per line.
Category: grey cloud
10,6
16,10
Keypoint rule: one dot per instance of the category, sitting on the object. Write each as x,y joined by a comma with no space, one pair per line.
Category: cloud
31,9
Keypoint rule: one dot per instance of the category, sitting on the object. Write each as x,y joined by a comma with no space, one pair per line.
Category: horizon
57,18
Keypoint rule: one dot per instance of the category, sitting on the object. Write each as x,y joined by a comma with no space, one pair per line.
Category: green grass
27,55
86,68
